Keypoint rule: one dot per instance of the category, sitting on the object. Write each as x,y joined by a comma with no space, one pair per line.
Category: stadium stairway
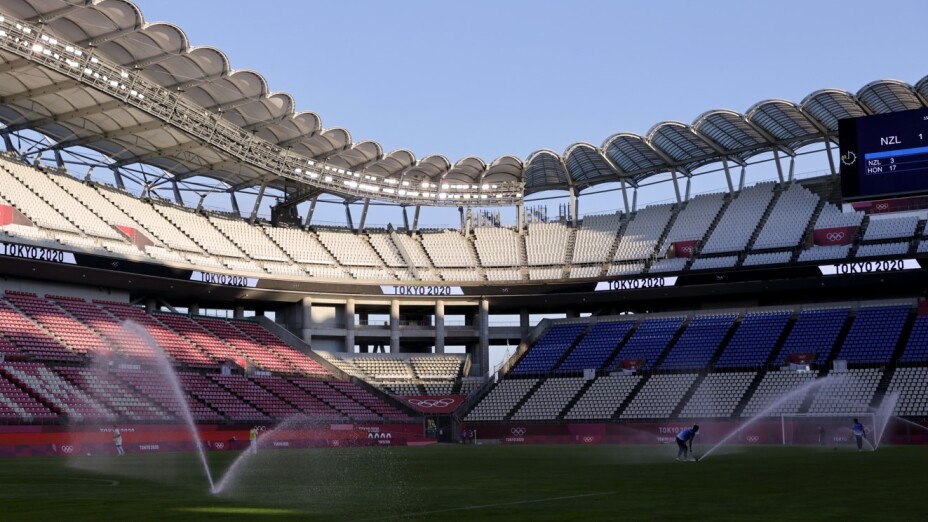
569,251
673,340
839,342
528,395
410,263
858,237
726,201
771,360
889,370
630,397
724,343
917,237
614,247
806,240
299,345
777,192
573,400
685,398
610,361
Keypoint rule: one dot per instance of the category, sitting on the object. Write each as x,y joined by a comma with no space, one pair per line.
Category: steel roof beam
160,153
106,37
135,129
54,88
58,13
67,116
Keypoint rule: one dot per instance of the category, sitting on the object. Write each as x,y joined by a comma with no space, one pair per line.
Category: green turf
505,483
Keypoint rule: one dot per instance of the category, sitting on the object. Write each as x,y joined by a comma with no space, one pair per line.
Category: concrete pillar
571,313
349,326
151,305
306,324
395,326
238,312
439,326
525,325
483,349
193,309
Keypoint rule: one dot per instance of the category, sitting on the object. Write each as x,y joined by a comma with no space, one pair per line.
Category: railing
129,86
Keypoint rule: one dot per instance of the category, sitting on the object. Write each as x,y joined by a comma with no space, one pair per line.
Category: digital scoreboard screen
884,155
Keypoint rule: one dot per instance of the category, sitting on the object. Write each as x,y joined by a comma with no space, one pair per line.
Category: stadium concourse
710,308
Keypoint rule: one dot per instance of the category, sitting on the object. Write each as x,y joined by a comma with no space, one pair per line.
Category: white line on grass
485,506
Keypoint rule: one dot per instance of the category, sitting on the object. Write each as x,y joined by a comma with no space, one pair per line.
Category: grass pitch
505,483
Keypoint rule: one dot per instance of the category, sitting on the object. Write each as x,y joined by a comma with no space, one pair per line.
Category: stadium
169,292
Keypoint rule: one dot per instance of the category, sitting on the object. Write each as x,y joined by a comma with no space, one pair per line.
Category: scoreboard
884,155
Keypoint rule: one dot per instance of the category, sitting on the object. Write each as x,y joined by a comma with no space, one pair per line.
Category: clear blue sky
489,78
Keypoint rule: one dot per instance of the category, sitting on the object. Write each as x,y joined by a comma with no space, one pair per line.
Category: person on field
859,434
117,439
253,439
685,442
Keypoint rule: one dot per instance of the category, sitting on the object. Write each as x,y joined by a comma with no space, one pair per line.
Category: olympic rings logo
588,439
220,445
753,438
882,206
67,449
518,432
444,402
687,250
835,236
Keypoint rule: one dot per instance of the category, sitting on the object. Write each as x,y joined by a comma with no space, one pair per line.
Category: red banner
684,248
141,438
833,236
435,403
881,206
632,364
801,358
6,215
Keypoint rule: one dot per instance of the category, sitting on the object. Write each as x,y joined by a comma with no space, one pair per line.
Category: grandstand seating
874,334
778,393
850,392
596,346
448,249
595,237
548,349
501,399
733,231
659,396
916,347
649,340
718,395
693,220
549,399
545,244
891,227
17,406
814,332
603,397
912,386
754,340
639,241
788,219
698,343
498,246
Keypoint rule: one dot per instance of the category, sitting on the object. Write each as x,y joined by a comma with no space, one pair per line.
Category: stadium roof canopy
239,107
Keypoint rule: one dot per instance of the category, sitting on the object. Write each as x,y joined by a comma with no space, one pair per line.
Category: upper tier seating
413,249
788,219
349,249
206,234
155,226
250,239
42,185
694,220
29,338
595,238
891,227
741,218
498,246
850,392
447,249
38,210
832,217
546,243
639,241
302,246
384,246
